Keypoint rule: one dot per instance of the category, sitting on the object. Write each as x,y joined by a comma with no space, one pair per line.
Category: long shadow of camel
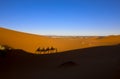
46,50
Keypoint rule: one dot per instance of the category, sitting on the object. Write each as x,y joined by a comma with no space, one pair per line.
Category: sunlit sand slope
30,42
19,40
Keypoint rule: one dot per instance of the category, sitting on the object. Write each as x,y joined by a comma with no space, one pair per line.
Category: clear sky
61,17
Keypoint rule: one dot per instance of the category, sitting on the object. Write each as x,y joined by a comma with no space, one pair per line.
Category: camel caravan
46,50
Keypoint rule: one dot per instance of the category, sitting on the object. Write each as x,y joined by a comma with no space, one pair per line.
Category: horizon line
56,34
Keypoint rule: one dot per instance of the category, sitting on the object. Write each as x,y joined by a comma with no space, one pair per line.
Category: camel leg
37,52
41,52
56,50
48,52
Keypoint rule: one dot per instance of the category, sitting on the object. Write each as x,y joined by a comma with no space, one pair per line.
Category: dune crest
31,42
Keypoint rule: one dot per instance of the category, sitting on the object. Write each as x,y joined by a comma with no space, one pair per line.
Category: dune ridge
30,42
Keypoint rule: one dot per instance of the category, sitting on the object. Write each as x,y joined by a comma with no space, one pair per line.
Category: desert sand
77,57
90,63
30,42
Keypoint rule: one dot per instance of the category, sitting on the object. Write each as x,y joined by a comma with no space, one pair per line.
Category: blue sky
61,17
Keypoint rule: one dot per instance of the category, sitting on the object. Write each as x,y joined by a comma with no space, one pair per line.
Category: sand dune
30,42
19,40
90,63
78,58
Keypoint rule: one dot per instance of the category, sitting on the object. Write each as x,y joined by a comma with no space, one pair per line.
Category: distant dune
30,42
101,62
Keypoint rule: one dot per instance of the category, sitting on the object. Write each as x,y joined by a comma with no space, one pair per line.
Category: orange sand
30,42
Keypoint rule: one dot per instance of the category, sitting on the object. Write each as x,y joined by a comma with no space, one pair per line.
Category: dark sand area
101,62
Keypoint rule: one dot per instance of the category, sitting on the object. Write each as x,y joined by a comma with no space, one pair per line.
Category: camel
38,50
53,50
43,51
48,50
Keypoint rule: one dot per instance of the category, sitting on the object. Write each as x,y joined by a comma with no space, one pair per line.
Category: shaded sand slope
90,63
30,42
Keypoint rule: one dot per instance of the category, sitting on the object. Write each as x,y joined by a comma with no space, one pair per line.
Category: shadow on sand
91,63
